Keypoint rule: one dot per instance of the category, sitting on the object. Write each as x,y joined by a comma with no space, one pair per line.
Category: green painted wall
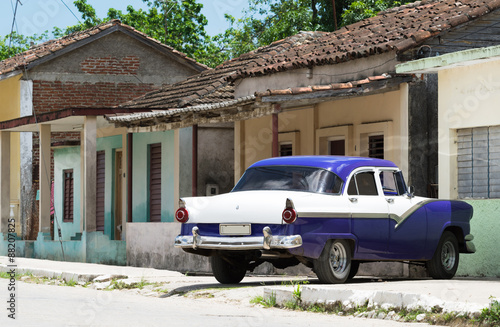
66,158
109,145
69,158
485,226
140,203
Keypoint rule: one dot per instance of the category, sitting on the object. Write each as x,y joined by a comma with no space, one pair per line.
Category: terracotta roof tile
42,50
397,29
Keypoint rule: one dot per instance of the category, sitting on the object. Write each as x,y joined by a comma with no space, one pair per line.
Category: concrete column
239,149
44,203
177,167
4,181
88,143
194,165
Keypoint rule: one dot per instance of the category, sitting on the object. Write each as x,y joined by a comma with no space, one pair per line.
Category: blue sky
37,16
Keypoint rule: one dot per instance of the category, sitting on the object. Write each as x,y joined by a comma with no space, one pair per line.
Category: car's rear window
289,178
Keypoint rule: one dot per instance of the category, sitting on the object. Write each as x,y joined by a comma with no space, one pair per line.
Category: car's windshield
290,178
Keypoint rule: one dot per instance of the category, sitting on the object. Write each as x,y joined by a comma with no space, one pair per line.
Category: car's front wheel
334,264
228,270
444,262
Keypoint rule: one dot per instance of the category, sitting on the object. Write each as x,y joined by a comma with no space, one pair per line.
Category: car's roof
340,165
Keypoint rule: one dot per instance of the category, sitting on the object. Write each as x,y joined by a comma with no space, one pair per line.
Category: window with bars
336,147
100,189
286,149
68,195
478,162
376,146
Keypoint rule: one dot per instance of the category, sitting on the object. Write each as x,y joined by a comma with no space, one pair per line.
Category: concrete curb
311,294
66,276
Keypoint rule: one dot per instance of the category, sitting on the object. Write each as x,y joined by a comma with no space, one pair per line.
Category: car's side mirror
410,191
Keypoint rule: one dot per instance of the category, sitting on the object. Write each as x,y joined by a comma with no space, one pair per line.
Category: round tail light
182,215
289,215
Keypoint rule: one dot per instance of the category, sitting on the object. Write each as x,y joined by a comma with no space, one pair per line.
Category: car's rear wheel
228,271
444,262
334,264
354,269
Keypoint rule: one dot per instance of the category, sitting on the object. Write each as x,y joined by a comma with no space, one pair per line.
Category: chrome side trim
401,219
324,214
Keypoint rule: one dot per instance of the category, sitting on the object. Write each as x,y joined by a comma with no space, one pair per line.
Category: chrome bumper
266,242
471,248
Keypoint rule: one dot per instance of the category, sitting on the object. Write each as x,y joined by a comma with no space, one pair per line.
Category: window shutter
155,182
100,189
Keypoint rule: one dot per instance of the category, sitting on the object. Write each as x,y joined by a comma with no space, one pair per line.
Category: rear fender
314,243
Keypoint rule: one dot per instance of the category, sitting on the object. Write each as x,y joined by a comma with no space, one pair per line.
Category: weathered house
469,143
54,98
323,93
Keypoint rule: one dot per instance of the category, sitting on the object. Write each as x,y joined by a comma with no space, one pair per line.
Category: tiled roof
211,85
44,50
164,115
327,87
396,29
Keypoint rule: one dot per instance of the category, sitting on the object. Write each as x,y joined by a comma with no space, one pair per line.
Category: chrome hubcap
448,256
338,258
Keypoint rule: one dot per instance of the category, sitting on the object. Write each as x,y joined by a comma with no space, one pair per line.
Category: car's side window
392,182
362,184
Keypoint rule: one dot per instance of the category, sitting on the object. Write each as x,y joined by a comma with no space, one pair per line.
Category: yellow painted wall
468,98
10,90
386,113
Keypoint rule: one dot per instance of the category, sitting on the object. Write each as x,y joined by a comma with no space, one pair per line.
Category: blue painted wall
109,144
66,158
69,158
140,163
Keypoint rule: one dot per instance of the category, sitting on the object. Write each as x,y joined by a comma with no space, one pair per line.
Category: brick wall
110,65
51,96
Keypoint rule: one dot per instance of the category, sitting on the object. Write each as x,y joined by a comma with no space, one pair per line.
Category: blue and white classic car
330,213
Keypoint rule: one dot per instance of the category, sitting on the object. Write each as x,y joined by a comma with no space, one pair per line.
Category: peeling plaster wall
321,75
67,158
140,204
485,226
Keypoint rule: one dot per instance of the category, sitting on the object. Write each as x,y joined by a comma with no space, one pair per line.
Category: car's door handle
353,200
389,200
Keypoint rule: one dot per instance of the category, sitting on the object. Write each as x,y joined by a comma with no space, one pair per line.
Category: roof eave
449,60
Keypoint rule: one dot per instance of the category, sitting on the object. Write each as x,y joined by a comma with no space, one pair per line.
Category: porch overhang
449,60
66,120
255,106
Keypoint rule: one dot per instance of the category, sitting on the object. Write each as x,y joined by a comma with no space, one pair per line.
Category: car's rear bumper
469,246
266,242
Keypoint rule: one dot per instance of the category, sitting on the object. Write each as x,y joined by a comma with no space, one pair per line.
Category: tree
178,24
359,10
14,43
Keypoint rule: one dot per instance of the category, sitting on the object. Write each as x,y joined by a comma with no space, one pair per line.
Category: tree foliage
180,24
15,43
359,10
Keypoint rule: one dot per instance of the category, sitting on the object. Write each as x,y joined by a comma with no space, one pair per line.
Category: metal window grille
478,162
68,195
376,146
286,150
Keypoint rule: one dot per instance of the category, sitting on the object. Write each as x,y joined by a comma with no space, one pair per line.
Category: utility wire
64,3
13,21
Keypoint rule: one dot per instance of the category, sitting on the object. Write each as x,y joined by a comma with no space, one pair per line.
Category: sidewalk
462,295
